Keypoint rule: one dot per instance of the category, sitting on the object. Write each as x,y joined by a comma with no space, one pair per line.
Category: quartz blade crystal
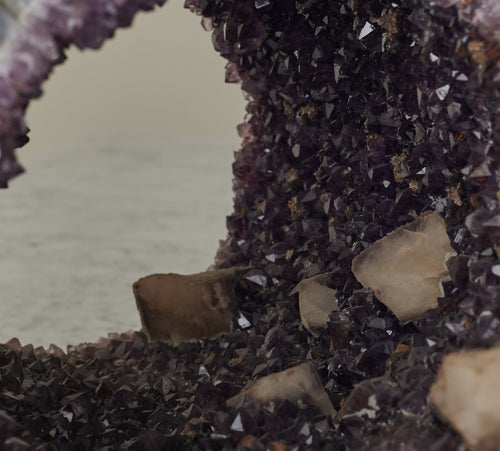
361,116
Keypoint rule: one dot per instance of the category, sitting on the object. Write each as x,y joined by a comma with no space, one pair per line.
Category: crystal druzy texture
361,116
33,37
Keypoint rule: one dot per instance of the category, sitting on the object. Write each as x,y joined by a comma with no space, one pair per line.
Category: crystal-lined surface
361,117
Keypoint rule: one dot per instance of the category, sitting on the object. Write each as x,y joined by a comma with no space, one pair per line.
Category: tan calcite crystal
467,393
299,383
176,308
405,269
316,302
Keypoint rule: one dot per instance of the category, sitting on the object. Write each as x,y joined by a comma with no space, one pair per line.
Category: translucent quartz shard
467,394
299,383
176,308
405,269
316,302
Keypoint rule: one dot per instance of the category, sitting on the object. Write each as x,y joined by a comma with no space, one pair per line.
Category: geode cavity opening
361,117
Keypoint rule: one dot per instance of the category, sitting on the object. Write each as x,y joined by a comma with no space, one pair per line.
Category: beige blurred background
128,174
159,79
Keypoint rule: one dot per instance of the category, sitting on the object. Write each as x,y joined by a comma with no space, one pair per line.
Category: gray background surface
129,173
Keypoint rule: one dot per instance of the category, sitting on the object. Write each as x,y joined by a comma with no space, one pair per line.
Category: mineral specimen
316,302
176,308
467,393
362,115
33,37
406,267
299,383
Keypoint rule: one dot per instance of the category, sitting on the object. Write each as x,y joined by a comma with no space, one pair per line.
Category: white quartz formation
405,269
467,393
316,302
298,383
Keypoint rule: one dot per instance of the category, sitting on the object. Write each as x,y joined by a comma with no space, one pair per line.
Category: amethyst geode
361,116
33,37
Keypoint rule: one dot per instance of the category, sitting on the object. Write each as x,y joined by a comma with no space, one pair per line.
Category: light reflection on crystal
442,92
495,269
258,279
237,424
271,257
67,415
366,30
202,371
430,342
336,71
243,322
305,429
433,57
262,3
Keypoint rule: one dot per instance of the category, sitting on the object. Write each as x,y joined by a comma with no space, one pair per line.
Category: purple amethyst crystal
33,38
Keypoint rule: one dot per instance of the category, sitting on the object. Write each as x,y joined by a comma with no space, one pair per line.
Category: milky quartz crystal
316,302
299,383
467,393
405,269
176,308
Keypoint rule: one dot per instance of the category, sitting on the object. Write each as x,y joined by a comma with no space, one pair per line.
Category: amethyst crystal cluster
361,116
33,37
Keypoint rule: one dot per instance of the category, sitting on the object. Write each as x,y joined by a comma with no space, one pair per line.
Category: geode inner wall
362,115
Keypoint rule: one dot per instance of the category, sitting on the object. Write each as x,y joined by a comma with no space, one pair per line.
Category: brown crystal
296,208
400,168
310,110
478,53
389,21
176,308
